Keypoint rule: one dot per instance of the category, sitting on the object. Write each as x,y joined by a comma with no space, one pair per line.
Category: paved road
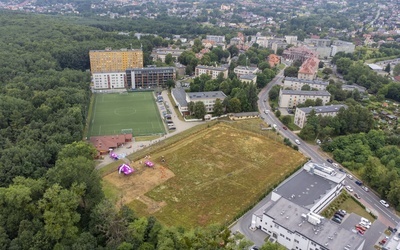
369,199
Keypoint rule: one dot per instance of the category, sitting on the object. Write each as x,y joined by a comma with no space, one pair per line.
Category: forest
50,192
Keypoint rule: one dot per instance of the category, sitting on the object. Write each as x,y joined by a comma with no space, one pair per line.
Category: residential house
300,117
249,78
309,69
297,83
292,98
211,71
242,70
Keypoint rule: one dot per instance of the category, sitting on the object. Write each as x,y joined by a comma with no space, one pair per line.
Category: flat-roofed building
150,77
211,71
301,53
182,99
110,80
291,40
300,117
292,98
342,46
309,69
242,70
360,89
296,83
161,53
217,39
291,216
249,78
318,42
109,60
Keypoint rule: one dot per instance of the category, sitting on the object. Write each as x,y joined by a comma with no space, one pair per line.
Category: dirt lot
208,177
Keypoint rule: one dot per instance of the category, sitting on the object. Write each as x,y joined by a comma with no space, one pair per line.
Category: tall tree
218,107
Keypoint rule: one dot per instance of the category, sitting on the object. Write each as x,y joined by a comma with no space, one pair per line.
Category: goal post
127,131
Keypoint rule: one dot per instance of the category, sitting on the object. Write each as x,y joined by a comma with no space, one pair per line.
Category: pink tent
149,164
126,169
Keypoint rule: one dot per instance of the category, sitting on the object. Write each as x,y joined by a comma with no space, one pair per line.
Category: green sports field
113,113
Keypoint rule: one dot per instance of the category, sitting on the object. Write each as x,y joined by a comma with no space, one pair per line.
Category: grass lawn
353,207
213,175
137,111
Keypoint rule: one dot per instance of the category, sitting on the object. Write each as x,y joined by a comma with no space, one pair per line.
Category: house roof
324,109
180,96
105,142
310,66
193,96
211,68
301,92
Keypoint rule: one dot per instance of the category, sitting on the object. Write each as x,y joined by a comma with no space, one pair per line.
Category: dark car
342,170
340,212
359,183
329,160
357,196
285,128
338,216
337,220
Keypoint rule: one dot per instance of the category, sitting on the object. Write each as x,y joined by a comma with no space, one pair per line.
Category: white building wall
297,85
114,80
289,101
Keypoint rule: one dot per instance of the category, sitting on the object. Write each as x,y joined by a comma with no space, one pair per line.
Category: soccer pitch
113,113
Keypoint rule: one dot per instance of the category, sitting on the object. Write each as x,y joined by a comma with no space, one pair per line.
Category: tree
318,102
306,87
278,113
170,83
327,71
191,107
291,71
387,68
274,92
286,119
234,105
199,110
169,59
218,107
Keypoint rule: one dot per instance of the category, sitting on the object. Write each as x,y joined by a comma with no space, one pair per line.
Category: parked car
360,231
335,165
364,225
337,220
341,212
361,227
357,196
350,189
365,221
384,203
329,160
359,183
342,170
340,216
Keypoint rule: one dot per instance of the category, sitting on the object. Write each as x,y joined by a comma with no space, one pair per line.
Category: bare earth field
208,177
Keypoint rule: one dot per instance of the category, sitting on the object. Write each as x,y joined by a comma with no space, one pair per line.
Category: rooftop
246,68
153,68
294,79
206,95
300,92
211,68
310,66
180,96
324,109
327,234
247,77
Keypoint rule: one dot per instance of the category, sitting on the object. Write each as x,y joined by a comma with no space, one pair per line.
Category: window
282,235
296,241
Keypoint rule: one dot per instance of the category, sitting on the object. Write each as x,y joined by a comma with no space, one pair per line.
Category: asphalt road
369,199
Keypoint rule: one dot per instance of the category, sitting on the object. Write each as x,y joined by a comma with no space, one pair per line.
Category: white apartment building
111,80
291,40
300,117
160,54
182,99
250,78
211,71
292,98
296,83
242,70
290,217
217,39
342,46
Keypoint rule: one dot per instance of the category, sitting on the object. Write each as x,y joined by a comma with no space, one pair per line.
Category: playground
210,176
133,112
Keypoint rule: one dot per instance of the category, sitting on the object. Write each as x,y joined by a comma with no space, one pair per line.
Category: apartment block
110,80
342,46
160,54
211,71
109,60
297,83
216,39
151,77
301,53
300,117
309,69
242,70
292,98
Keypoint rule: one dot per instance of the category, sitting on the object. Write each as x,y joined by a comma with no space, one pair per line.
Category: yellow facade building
109,60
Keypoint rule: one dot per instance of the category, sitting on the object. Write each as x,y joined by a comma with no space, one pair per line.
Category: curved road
369,199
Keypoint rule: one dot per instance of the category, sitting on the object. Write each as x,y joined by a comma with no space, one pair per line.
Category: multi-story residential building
109,60
318,42
342,46
291,216
360,89
300,117
278,45
242,70
150,77
110,80
301,53
160,54
182,99
211,71
249,78
291,40
309,69
297,84
216,39
292,98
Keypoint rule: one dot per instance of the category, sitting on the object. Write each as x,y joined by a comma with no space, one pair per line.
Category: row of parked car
363,226
169,122
339,216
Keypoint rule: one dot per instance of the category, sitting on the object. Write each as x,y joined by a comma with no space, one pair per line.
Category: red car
360,231
285,128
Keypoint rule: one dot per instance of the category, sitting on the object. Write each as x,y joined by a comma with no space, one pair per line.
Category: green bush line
360,204
89,116
334,206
